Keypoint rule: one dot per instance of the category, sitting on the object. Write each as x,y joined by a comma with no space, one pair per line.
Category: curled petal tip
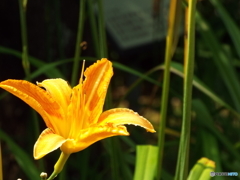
121,116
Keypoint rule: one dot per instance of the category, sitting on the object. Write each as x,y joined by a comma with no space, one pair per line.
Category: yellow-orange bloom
74,116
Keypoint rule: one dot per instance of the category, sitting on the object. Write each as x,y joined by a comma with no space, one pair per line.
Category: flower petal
59,90
92,135
46,143
76,113
120,116
35,97
95,87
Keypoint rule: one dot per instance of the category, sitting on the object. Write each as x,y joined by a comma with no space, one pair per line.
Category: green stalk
60,44
25,62
113,145
113,142
58,167
93,28
183,154
102,32
166,82
36,129
79,40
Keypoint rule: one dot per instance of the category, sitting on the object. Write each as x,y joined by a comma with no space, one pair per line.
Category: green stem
113,145
25,62
166,81
183,154
59,165
102,32
114,155
93,25
36,129
59,29
79,39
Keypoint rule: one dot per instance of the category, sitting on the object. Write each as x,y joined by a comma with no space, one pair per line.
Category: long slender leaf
207,123
189,60
23,159
171,40
177,68
231,26
34,61
209,141
221,60
134,72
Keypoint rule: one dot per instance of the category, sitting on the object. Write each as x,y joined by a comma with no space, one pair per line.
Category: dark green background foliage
52,31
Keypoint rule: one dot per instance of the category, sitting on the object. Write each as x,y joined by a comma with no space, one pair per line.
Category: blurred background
136,33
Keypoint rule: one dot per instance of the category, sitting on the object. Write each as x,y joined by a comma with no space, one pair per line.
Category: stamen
81,77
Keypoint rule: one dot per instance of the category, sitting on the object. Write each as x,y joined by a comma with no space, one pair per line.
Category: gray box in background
131,24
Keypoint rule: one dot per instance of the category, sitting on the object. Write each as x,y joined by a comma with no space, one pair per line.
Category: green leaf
22,158
197,83
134,72
231,26
209,144
146,162
205,120
34,61
221,59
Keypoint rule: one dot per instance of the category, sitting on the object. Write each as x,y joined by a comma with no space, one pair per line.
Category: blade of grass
166,81
183,155
54,73
25,58
134,72
22,11
221,59
47,67
34,124
207,123
177,69
93,25
60,44
113,143
231,26
102,32
211,150
78,41
22,158
209,141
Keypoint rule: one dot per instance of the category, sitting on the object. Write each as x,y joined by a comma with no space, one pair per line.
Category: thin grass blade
209,125
222,61
170,48
54,73
183,153
232,27
22,158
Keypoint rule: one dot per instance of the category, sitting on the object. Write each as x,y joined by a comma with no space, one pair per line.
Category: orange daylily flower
74,116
